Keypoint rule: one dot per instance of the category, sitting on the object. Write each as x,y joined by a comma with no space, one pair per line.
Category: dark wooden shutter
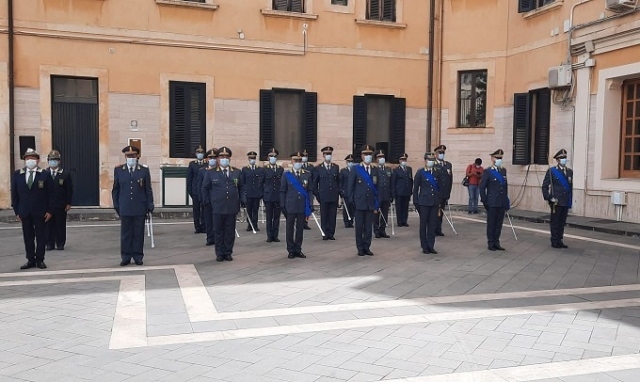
187,118
542,127
398,129
526,5
310,133
521,129
197,121
177,122
266,123
359,125
297,6
280,5
389,10
373,11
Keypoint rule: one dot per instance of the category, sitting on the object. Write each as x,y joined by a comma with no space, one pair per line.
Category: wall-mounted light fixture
240,34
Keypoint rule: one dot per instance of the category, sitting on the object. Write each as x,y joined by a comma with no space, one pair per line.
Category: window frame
532,127
381,18
635,120
290,4
525,6
340,2
473,99
187,152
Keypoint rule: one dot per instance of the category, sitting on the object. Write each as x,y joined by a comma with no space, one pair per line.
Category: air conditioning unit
560,76
620,5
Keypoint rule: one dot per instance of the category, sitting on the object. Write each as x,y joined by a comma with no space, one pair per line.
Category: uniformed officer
295,198
307,167
207,212
402,186
192,189
446,183
272,182
385,196
557,189
348,209
326,188
426,200
61,203
133,200
225,192
253,180
495,198
31,199
362,192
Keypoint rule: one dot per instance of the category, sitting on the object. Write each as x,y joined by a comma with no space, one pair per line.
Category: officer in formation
402,186
192,188
348,208
222,187
495,198
295,199
31,200
207,212
385,196
133,201
253,180
60,203
362,193
557,190
272,182
446,176
326,188
426,199
307,167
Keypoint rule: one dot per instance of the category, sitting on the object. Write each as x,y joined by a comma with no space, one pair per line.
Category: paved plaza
531,313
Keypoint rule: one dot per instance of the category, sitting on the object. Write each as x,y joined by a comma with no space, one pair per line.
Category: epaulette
39,170
145,166
22,170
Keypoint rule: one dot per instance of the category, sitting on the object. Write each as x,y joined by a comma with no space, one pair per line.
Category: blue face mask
252,161
381,161
273,160
224,162
430,163
349,164
54,163
305,159
327,157
297,166
563,161
498,162
403,164
212,162
368,159
441,156
131,162
199,156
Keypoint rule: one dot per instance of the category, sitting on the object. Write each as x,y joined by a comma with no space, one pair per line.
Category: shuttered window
630,152
187,118
381,10
288,122
530,5
472,98
379,120
289,5
339,2
531,127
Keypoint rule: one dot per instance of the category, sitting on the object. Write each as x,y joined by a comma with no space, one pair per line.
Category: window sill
191,4
288,15
544,9
383,24
471,130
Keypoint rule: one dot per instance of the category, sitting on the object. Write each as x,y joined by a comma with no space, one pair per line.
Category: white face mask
498,162
212,162
327,158
224,162
563,161
54,163
31,163
297,166
403,164
441,156
368,159
131,162
252,162
349,164
200,156
273,160
381,161
430,163
305,159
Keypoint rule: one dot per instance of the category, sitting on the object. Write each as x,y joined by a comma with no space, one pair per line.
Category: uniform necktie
30,180
226,174
368,172
297,174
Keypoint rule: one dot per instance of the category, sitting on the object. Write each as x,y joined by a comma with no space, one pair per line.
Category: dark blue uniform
224,190
293,202
207,212
385,197
30,205
308,167
253,180
402,185
326,188
446,177
192,189
426,200
60,199
553,188
132,199
348,209
363,197
272,183
495,197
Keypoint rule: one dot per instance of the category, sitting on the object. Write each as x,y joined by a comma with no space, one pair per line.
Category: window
381,10
530,5
187,118
472,98
289,6
339,2
531,127
288,122
379,120
75,90
630,151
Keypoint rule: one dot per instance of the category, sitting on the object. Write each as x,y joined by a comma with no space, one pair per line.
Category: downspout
432,12
12,127
440,65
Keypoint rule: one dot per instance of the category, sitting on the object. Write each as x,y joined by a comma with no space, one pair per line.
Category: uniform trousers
442,206
57,228
350,208
402,209
35,235
224,228
495,218
428,221
132,237
207,211
273,212
198,214
364,228
328,214
558,221
253,207
380,222
295,230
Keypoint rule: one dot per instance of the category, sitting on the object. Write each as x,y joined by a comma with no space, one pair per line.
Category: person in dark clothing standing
272,182
385,196
31,199
348,209
192,189
253,180
326,188
295,199
426,200
402,185
494,194
446,184
207,212
557,190
362,192
60,203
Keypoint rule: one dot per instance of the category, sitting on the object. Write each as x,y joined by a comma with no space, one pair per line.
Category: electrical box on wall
560,76
619,198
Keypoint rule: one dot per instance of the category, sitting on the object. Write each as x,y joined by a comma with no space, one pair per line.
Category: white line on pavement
196,298
130,321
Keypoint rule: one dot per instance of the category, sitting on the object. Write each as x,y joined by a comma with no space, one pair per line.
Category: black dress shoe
361,253
228,257
425,251
492,248
210,243
139,262
384,235
368,253
307,227
60,248
29,264
249,229
257,229
41,265
331,238
563,245
124,263
269,240
377,235
325,237
276,240
406,225
439,234
49,248
433,251
555,245
219,258
301,255
292,255
498,247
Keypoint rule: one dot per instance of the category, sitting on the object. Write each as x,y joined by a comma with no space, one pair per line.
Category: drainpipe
432,18
12,127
